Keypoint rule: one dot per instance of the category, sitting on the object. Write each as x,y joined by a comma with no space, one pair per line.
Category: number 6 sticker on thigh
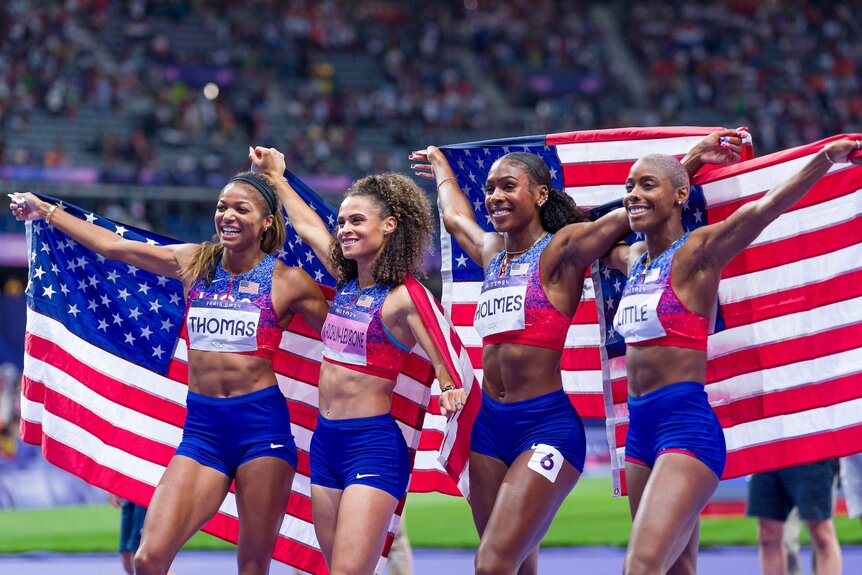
546,461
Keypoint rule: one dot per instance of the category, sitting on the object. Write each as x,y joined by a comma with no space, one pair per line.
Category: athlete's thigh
262,490
486,477
364,515
324,512
527,501
187,496
637,477
678,488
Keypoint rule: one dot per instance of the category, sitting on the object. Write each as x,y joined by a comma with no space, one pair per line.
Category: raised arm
724,240
307,223
455,208
160,260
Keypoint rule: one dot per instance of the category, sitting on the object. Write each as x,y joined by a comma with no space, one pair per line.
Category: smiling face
239,216
652,197
510,198
362,229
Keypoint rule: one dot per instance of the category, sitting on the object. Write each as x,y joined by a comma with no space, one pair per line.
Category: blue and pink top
234,312
650,312
354,335
513,306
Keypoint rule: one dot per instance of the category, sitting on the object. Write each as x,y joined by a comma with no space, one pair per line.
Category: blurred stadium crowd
170,92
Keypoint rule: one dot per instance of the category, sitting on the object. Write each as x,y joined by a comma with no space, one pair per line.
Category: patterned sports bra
354,335
650,312
234,312
514,308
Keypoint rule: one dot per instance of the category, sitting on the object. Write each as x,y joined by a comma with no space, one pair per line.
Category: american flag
783,369
591,167
105,379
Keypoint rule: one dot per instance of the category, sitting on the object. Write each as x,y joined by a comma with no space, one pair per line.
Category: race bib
546,461
501,306
219,325
637,317
344,334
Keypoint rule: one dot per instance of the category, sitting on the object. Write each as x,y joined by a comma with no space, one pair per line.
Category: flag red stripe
828,188
116,391
430,481
789,401
755,164
588,405
793,451
596,173
75,413
788,352
804,298
794,249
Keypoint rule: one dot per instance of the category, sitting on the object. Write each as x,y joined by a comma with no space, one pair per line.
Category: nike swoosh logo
275,445
364,475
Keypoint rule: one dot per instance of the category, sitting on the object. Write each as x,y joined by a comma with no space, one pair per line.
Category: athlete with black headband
238,426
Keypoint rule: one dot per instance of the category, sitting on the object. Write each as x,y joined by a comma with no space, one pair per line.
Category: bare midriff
347,394
651,367
218,374
515,372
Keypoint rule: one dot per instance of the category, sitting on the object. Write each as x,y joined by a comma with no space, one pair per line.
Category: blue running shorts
506,430
361,451
675,418
225,432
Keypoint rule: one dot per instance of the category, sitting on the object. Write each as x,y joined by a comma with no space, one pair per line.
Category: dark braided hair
559,210
404,249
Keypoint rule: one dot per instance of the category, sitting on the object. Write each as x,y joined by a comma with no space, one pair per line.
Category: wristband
50,213
449,387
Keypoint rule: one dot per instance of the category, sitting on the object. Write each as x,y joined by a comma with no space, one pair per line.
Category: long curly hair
404,249
559,210
203,262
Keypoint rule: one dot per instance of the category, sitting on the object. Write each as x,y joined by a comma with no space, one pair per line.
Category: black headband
265,189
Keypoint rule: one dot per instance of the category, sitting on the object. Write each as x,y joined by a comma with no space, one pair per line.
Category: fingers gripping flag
105,378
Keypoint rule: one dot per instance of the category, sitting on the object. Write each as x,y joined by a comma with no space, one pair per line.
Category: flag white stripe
117,415
468,292
786,327
796,375
112,366
789,276
581,335
741,186
812,218
810,422
621,150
